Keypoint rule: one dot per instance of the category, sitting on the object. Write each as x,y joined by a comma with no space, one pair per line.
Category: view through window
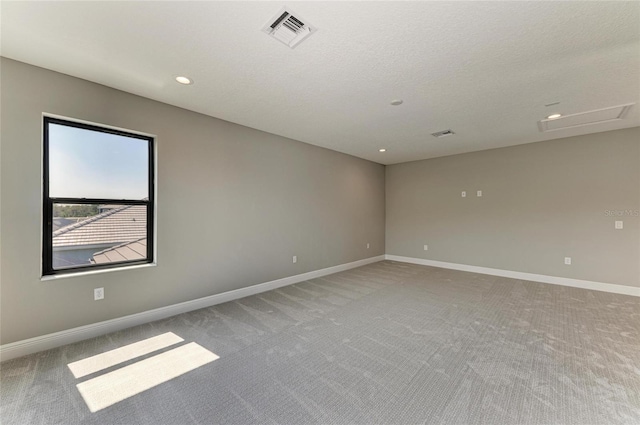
98,197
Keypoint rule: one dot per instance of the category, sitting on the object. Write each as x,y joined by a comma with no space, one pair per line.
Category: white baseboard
57,339
576,283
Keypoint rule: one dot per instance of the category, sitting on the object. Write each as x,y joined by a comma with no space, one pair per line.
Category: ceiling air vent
288,28
443,133
580,119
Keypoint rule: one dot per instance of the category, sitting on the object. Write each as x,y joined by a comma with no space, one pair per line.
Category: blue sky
91,164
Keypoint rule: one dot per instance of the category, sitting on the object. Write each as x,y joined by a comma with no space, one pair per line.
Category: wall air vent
288,28
443,133
580,119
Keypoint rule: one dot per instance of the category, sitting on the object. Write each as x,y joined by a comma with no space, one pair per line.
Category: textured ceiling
484,69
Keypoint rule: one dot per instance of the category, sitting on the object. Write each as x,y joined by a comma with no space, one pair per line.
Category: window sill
93,272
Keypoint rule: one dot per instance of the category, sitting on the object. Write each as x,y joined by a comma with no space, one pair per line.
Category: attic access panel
581,119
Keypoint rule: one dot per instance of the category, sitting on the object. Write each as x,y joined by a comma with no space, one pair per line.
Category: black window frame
48,201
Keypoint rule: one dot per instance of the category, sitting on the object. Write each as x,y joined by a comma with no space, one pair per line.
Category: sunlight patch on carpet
119,355
113,387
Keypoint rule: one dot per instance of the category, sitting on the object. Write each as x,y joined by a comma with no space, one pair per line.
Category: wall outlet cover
98,294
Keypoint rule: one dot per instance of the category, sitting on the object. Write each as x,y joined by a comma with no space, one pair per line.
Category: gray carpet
388,343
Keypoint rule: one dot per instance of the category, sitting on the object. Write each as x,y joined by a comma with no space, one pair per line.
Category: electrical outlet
479,193
619,225
98,294
464,194
426,247
567,261
295,259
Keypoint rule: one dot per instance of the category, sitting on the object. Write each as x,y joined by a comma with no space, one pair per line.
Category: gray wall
234,206
541,202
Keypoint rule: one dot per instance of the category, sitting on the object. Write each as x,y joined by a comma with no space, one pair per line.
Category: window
98,193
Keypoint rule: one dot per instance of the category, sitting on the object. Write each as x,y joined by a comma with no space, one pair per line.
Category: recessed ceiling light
184,80
396,102
554,116
382,150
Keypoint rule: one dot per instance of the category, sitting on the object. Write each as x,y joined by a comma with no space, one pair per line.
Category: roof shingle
123,224
134,250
